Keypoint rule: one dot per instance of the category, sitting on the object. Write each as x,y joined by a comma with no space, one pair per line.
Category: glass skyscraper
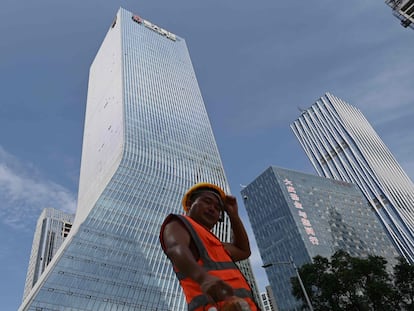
52,228
341,144
147,139
297,216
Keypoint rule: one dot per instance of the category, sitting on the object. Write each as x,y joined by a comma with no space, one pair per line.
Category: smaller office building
267,300
52,228
297,216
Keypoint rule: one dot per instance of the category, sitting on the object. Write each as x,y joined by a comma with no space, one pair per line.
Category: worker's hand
215,288
230,206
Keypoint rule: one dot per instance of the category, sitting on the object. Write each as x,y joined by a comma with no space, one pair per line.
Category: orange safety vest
216,261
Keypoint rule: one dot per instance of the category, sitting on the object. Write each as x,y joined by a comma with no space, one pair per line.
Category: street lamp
291,262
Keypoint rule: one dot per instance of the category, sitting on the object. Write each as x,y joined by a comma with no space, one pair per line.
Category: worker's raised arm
239,248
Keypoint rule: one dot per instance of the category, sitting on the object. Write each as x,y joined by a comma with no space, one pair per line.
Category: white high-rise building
341,144
147,139
52,228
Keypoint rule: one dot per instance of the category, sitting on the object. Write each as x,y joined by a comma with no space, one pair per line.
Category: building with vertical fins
52,228
403,10
297,216
342,145
147,139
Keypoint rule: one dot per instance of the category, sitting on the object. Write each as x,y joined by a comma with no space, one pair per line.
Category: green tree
404,283
347,283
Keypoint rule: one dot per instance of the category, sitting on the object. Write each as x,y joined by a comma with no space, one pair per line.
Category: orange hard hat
199,187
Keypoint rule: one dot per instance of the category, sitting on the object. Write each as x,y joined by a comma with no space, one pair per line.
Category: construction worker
203,264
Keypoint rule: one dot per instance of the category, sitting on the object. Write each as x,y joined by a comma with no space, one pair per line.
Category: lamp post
291,262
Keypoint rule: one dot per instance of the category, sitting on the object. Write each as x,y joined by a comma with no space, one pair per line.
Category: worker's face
205,209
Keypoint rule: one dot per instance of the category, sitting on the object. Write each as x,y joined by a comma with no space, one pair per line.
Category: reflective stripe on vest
202,300
209,265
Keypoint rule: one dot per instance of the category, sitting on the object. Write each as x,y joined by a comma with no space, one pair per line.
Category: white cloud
24,194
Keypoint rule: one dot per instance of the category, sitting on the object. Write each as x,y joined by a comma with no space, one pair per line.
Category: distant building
272,299
52,228
147,139
341,144
403,10
299,216
247,270
267,300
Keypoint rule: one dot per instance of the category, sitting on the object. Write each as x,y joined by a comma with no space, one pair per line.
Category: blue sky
257,63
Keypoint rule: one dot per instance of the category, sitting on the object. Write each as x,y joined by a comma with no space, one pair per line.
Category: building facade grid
297,216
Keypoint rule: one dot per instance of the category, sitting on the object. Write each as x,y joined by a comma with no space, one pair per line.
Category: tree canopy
359,284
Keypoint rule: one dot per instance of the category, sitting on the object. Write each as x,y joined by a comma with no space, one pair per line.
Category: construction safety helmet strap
200,187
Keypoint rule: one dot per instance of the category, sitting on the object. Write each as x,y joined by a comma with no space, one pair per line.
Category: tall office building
341,144
403,10
297,216
147,139
52,228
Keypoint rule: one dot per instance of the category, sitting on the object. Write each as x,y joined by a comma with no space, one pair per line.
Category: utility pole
292,263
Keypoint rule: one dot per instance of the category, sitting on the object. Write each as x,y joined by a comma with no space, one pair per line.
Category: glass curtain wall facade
147,139
341,144
52,228
297,216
